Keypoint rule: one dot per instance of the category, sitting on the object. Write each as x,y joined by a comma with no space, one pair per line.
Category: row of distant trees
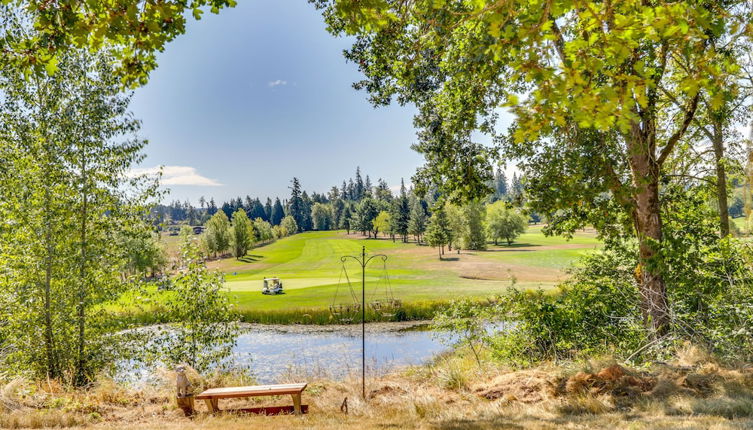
358,206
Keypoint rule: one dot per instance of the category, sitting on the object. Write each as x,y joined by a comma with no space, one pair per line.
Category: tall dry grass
453,392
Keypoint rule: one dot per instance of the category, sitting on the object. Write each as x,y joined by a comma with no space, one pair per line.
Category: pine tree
400,213
438,231
278,213
268,210
345,219
501,185
351,190
296,205
367,188
382,191
366,211
257,210
359,187
212,208
417,221
306,213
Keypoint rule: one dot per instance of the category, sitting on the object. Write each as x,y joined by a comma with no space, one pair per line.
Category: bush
593,313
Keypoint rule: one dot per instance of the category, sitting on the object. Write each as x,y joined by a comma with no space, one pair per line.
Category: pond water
271,351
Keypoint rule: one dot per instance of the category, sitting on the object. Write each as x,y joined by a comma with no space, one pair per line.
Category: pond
334,351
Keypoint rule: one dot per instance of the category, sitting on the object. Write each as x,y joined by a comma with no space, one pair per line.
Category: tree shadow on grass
449,259
251,258
514,245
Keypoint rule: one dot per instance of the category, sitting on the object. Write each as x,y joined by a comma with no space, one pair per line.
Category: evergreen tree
516,187
345,219
382,191
351,190
344,192
438,231
257,210
501,184
417,220
267,211
306,220
296,205
367,188
359,187
248,204
227,207
278,213
400,213
212,208
321,216
338,205
366,211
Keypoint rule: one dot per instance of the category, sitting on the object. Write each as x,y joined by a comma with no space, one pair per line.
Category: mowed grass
313,276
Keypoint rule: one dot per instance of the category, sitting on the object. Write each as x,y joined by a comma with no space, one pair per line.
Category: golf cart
272,286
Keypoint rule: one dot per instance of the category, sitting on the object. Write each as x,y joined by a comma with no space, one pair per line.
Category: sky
249,98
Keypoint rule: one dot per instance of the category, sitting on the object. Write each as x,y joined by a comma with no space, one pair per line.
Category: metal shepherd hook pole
363,261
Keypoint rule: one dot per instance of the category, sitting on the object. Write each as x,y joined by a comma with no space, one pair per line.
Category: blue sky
249,98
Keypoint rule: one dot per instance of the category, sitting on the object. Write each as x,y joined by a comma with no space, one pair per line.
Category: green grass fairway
309,265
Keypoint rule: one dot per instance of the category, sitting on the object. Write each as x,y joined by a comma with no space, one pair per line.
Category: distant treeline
301,205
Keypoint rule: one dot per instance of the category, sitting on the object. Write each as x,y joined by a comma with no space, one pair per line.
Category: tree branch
672,141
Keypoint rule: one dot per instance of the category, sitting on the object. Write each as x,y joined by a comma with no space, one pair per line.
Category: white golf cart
272,286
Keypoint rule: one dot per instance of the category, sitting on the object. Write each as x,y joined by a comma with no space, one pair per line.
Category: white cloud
277,83
177,175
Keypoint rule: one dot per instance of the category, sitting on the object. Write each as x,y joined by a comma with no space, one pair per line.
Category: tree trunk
49,345
79,377
721,178
648,228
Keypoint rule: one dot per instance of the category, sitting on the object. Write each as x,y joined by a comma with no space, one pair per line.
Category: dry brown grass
454,393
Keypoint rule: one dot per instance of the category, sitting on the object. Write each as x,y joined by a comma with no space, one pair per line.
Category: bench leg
296,403
212,405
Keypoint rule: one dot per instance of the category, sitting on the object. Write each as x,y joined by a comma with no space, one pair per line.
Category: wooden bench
213,395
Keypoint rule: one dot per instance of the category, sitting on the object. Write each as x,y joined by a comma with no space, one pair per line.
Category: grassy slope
309,265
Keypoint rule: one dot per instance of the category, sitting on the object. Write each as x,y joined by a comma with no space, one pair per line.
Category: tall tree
257,210
297,205
417,220
593,80
278,213
366,211
475,237
306,221
358,188
268,210
346,217
212,208
242,233
438,231
382,191
217,235
400,213
321,216
381,223
67,144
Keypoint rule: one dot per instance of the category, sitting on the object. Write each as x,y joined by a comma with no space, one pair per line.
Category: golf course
310,268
